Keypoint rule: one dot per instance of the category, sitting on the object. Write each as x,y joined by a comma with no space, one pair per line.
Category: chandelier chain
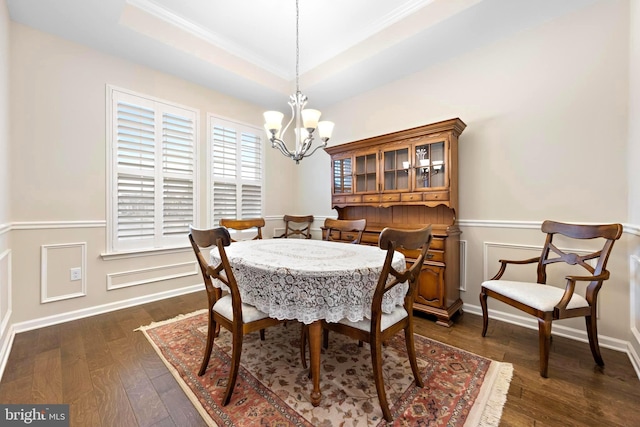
297,47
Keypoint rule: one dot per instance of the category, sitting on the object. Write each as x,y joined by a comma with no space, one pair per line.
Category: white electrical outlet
76,273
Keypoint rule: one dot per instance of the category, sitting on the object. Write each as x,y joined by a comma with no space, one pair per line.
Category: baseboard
561,331
7,341
100,309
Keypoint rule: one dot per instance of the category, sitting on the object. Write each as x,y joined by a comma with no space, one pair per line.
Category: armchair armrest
504,262
571,286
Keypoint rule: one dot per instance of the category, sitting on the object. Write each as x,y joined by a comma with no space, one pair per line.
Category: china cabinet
408,179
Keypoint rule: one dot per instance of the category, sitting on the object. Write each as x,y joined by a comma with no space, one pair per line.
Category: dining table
310,281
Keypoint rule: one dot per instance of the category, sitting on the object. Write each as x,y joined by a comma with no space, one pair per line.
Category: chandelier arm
293,114
306,144
324,144
280,145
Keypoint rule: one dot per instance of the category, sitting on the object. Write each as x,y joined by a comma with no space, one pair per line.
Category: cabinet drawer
436,195
411,197
371,198
436,256
437,244
353,199
391,197
348,236
338,200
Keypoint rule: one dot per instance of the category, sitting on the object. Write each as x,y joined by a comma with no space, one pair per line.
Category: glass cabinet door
342,176
429,165
366,176
396,169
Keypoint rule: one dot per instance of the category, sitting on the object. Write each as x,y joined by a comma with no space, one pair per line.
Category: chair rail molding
44,225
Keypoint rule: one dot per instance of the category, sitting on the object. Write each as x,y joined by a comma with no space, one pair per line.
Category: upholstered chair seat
541,297
224,307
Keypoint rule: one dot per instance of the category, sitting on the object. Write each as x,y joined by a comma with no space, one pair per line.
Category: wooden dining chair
227,311
383,326
295,225
548,302
244,224
344,230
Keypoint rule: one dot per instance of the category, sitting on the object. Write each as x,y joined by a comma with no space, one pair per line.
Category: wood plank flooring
111,376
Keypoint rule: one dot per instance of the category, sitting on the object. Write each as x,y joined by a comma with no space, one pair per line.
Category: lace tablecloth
309,280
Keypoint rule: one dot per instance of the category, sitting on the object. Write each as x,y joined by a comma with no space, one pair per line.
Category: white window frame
215,120
159,106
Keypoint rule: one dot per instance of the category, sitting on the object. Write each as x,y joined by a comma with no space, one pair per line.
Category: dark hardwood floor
111,376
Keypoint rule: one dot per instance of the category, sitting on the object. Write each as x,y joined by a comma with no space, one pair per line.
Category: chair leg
303,345
376,361
485,312
592,332
261,334
212,332
411,352
236,352
325,338
544,338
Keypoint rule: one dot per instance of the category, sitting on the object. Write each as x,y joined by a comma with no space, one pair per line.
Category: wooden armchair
302,227
344,230
244,224
227,311
548,302
382,326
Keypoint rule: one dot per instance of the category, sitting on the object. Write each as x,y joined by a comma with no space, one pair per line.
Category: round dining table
311,281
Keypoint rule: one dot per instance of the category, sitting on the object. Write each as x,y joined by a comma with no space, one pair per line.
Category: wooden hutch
408,179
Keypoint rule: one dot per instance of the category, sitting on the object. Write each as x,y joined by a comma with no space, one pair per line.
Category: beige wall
546,113
58,176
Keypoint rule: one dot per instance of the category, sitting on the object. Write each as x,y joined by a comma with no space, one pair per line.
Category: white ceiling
246,48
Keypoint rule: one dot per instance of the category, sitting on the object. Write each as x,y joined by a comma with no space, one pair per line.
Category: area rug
461,388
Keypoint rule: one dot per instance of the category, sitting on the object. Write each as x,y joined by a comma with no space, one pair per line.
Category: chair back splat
295,225
244,224
548,302
344,230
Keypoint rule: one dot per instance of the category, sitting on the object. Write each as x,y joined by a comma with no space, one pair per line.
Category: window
236,170
152,170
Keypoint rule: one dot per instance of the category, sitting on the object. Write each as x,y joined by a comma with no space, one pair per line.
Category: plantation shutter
251,168
154,170
178,164
135,158
236,170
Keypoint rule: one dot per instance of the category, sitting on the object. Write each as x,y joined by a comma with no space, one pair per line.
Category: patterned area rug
461,388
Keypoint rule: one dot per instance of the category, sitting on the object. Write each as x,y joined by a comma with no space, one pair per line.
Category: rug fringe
492,396
173,319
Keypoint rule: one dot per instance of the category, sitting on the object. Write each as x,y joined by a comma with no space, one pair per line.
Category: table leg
315,336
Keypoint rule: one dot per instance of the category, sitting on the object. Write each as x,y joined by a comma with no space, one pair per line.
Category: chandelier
306,120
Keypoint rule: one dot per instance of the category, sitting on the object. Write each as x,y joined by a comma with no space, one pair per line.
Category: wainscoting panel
5,290
57,263
463,265
145,276
634,298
